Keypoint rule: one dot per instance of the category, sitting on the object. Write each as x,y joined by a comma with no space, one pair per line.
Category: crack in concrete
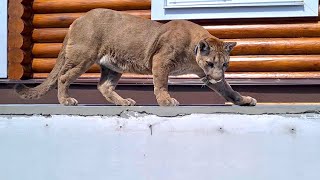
150,127
128,113
145,113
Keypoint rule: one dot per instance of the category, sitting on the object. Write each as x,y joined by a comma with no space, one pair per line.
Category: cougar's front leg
107,84
160,73
225,90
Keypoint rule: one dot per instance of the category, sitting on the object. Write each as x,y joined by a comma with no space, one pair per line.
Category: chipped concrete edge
154,110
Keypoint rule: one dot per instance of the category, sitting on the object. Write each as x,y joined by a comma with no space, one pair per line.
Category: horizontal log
229,75
52,35
273,75
58,6
240,21
265,30
271,46
47,50
236,31
237,64
45,65
55,20
64,20
86,75
304,29
126,75
220,31
276,63
276,46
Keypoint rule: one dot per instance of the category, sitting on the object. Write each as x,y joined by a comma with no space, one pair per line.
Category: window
219,9
3,39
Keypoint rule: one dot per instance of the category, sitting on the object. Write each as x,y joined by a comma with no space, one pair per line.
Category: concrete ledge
85,110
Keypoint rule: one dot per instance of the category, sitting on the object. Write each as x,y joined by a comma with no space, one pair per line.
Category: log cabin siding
19,39
267,48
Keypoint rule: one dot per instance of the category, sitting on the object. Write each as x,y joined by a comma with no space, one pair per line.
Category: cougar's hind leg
107,84
69,73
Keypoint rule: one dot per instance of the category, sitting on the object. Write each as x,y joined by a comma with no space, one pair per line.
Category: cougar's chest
181,69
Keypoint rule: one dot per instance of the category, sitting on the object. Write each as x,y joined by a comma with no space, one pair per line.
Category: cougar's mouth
206,80
214,81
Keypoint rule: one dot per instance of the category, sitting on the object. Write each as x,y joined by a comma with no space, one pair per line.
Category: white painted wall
195,147
3,39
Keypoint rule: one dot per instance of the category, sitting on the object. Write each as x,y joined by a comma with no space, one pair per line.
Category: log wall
267,48
19,39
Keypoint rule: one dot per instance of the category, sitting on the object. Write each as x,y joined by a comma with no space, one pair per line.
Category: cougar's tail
50,83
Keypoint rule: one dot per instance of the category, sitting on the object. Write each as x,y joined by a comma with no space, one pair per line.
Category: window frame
3,40
160,10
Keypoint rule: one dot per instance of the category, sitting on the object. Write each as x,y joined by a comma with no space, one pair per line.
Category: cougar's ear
196,50
228,46
203,47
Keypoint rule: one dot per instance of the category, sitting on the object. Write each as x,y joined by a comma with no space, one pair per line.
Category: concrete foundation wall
137,147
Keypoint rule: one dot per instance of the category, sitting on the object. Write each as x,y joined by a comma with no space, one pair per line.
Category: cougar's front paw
127,102
168,102
247,101
69,101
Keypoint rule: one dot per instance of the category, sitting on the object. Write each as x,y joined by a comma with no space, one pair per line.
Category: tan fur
122,43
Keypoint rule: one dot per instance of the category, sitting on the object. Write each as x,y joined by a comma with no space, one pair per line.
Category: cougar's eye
210,64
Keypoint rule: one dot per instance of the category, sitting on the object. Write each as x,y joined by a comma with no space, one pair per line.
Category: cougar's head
212,55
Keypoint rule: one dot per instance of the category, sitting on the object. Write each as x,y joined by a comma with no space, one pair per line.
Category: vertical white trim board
3,39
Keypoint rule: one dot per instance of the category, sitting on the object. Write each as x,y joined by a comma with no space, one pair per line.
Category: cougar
122,43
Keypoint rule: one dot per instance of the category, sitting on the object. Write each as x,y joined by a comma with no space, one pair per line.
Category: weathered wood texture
19,39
